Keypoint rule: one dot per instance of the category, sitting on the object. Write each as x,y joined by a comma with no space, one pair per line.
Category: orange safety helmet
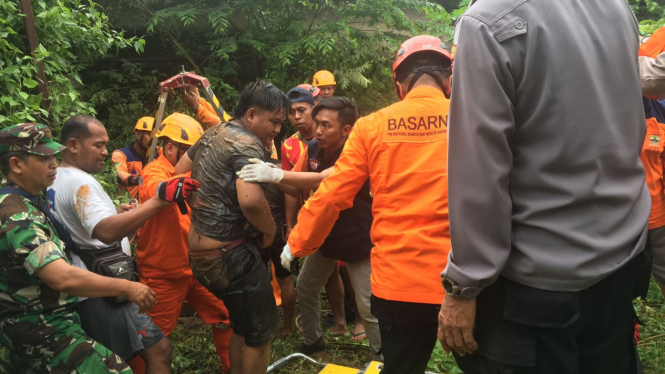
323,78
144,124
417,44
313,89
180,128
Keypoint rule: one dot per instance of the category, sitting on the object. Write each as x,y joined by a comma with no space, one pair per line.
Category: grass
652,336
194,351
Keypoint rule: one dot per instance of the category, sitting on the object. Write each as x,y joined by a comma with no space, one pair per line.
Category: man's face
300,116
329,131
266,125
142,138
327,91
174,151
36,172
90,154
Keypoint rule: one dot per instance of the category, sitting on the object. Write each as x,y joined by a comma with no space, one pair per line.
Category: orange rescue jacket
127,163
652,155
162,247
654,160
403,150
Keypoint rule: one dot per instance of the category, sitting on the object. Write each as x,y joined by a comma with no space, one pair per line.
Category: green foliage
652,336
239,41
650,13
72,34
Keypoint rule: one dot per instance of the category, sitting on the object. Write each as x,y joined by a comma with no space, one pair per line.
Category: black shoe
308,350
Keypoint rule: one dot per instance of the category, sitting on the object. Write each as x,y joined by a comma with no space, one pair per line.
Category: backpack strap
61,230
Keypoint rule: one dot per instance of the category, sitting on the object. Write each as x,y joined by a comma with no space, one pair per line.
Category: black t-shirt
221,152
349,240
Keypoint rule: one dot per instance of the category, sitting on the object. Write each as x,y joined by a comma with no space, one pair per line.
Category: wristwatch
451,287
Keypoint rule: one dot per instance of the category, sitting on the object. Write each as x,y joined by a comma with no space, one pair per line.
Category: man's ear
251,114
73,145
448,87
16,165
346,130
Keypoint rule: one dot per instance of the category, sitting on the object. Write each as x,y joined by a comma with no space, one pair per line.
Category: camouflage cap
33,138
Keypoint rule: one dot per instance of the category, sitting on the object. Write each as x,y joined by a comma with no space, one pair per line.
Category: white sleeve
91,205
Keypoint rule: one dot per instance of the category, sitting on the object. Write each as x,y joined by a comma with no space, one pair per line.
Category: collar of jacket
167,164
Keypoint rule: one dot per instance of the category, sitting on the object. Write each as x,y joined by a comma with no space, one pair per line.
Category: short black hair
263,96
347,110
426,58
77,128
4,160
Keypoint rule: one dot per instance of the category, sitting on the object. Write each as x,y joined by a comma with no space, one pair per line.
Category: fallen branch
650,338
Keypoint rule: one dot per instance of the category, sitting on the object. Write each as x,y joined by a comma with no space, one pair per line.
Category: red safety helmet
417,44
313,89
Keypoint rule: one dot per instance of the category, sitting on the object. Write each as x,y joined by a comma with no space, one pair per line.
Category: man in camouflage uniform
38,320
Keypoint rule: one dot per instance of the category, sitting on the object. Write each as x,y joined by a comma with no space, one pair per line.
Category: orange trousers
172,292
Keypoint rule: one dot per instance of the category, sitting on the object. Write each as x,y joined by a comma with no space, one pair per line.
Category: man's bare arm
184,165
118,226
71,280
291,208
255,207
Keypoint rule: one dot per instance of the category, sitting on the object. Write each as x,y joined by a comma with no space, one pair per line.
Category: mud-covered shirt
221,152
28,242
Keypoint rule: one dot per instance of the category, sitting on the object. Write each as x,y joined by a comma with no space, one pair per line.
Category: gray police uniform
546,189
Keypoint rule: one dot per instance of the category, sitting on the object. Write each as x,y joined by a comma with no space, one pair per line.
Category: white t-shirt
79,202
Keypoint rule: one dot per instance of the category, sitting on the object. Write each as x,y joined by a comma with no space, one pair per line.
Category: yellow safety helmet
145,124
180,128
323,78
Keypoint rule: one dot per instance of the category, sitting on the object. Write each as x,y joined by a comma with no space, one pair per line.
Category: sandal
357,337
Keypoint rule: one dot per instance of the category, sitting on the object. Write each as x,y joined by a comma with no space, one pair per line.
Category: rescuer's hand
456,320
141,295
260,172
286,257
190,96
135,180
176,190
124,207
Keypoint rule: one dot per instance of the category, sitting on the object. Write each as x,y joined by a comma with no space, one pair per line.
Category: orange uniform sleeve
120,161
335,194
206,113
152,176
655,45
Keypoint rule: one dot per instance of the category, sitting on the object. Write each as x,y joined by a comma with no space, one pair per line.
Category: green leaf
29,83
11,69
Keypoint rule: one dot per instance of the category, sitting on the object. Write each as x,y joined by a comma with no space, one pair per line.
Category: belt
218,251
